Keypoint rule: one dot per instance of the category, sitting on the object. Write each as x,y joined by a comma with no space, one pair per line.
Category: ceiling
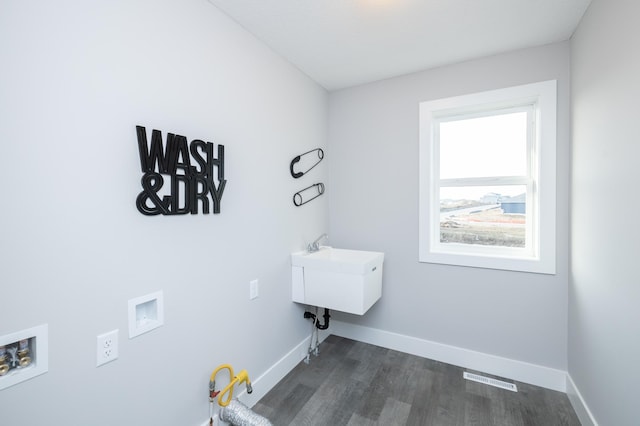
342,43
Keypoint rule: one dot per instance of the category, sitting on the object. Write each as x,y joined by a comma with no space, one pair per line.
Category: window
487,179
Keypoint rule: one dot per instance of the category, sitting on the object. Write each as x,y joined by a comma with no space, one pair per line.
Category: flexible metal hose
239,414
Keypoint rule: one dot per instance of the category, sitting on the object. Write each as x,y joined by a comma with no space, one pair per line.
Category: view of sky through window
485,146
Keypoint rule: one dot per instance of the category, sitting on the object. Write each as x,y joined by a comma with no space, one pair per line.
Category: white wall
373,145
76,78
604,320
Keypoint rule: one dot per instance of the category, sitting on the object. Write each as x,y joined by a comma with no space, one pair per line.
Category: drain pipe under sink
319,326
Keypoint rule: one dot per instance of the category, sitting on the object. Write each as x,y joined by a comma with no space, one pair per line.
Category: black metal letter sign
188,185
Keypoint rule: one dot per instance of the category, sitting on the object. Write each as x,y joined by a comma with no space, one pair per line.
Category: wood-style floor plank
356,384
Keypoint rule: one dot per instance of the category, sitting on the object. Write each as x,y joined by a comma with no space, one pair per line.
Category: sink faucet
315,246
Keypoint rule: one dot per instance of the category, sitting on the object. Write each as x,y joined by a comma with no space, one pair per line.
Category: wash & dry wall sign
179,177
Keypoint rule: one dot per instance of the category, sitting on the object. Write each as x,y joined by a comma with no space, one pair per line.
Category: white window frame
539,256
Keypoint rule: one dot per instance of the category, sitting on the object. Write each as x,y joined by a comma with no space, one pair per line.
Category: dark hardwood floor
357,384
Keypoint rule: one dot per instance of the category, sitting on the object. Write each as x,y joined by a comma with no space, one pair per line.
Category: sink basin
339,279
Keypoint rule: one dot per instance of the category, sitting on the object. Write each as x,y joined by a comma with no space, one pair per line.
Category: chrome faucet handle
315,246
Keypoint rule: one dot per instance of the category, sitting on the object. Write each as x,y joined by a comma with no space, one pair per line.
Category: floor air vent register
491,382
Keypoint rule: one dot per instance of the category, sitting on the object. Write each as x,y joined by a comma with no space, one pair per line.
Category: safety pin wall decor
308,160
309,193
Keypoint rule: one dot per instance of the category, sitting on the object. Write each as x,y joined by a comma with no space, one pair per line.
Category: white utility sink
339,279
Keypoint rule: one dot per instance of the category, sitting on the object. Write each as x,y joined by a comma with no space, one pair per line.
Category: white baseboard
538,375
267,380
579,405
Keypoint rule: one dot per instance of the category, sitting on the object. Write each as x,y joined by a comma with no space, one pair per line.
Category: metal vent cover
489,381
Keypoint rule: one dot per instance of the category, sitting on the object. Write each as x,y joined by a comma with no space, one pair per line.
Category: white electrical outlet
106,347
253,289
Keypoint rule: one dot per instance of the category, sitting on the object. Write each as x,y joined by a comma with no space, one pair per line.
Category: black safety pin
299,157
299,197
